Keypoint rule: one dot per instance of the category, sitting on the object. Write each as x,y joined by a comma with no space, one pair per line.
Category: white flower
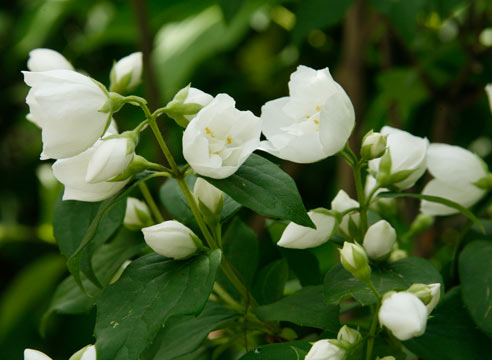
341,203
208,195
455,170
30,354
300,237
72,173
373,145
171,239
379,240
404,314
220,138
47,59
110,159
325,350
404,161
314,122
348,334
137,214
126,74
66,104
488,90
354,259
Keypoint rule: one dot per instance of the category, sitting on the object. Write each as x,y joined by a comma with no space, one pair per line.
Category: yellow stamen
316,122
229,140
207,130
318,108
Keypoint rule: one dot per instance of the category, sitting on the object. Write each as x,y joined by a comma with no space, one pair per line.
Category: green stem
361,197
150,201
371,337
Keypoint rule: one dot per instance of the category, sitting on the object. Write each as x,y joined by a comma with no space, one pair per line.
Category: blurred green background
420,65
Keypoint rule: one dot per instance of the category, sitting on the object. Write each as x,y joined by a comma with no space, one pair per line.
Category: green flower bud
373,145
354,259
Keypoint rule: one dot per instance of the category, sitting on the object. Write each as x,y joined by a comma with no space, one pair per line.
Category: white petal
465,195
30,354
337,120
47,59
72,172
454,164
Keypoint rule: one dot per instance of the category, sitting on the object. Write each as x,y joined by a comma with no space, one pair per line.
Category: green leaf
184,334
400,275
151,290
438,200
72,220
475,268
270,283
240,247
450,333
69,298
305,308
295,350
318,14
262,186
91,234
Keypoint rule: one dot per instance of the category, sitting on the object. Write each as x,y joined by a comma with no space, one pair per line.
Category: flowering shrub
199,271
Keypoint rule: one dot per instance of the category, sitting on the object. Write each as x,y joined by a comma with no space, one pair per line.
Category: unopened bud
379,240
428,294
354,259
325,350
171,239
137,214
186,104
373,145
348,334
209,196
126,74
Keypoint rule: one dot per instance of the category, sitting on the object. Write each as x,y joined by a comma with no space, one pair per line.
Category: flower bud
379,240
186,104
349,222
209,196
137,214
126,74
325,350
404,314
47,59
397,254
386,358
404,160
428,294
373,145
300,237
111,158
349,335
171,239
86,353
354,259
